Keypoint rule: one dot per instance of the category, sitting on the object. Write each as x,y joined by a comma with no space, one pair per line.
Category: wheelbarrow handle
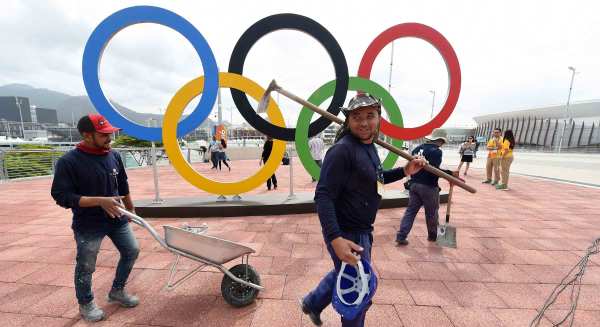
142,222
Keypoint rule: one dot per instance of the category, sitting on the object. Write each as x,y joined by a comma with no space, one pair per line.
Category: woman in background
222,155
467,151
506,159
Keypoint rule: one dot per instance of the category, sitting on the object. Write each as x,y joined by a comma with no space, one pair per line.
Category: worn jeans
213,159
426,196
88,246
319,298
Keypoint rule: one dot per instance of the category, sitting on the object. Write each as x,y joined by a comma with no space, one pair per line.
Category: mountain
70,107
81,105
39,97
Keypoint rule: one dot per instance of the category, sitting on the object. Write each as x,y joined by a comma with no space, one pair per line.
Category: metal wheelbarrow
240,284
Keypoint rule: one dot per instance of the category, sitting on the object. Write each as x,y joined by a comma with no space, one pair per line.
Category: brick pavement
513,247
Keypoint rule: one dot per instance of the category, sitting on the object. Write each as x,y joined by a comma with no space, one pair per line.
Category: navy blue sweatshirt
80,174
433,154
346,195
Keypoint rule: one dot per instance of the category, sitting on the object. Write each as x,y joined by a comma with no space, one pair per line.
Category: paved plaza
580,168
513,248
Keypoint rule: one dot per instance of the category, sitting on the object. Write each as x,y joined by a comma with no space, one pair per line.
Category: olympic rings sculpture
241,86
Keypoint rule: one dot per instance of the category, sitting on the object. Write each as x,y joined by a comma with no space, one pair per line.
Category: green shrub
20,164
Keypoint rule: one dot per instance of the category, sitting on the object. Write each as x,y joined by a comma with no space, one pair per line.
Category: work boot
90,312
402,242
121,297
315,318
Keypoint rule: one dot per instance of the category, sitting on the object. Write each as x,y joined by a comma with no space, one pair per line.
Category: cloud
513,54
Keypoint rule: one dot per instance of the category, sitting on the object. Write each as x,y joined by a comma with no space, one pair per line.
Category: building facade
46,116
551,127
10,107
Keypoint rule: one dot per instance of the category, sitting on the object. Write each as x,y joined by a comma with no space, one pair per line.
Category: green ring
323,93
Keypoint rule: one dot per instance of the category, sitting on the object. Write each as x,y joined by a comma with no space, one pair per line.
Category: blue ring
148,14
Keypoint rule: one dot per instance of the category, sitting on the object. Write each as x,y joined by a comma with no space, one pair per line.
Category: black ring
304,24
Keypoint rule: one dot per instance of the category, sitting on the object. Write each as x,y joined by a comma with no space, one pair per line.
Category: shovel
446,234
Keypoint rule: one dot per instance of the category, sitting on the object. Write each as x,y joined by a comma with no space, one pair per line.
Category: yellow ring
174,111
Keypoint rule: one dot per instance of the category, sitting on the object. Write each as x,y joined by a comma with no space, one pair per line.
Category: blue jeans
213,159
426,196
319,298
88,245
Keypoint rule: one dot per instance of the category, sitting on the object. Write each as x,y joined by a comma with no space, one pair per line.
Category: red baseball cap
101,125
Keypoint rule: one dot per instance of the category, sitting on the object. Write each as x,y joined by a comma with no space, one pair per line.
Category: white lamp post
568,109
18,102
432,102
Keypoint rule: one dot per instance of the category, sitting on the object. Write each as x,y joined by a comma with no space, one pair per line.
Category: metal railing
23,163
17,164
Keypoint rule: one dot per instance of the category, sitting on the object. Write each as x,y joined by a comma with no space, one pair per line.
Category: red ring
436,39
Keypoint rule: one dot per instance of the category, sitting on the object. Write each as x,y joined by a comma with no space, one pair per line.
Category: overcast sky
513,54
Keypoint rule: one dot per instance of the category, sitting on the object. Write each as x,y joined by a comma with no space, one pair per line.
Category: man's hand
343,249
111,205
413,166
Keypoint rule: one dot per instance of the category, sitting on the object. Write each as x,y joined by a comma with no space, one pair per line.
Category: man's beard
372,137
101,145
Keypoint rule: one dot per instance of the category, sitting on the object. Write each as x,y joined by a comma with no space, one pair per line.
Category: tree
126,141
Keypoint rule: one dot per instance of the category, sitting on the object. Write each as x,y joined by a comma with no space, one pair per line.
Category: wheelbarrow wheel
236,294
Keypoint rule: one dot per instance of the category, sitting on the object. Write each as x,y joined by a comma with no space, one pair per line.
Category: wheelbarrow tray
217,251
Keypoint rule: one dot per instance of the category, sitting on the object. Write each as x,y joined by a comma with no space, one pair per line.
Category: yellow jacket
506,151
494,148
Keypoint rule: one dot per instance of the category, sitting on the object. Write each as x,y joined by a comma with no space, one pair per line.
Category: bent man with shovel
424,189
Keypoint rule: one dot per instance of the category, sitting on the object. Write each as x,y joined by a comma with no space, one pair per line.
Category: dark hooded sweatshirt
80,174
346,195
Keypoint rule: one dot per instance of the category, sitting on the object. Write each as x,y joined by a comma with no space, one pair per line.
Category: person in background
424,190
213,148
222,156
506,159
203,151
317,147
267,148
91,181
467,151
494,146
